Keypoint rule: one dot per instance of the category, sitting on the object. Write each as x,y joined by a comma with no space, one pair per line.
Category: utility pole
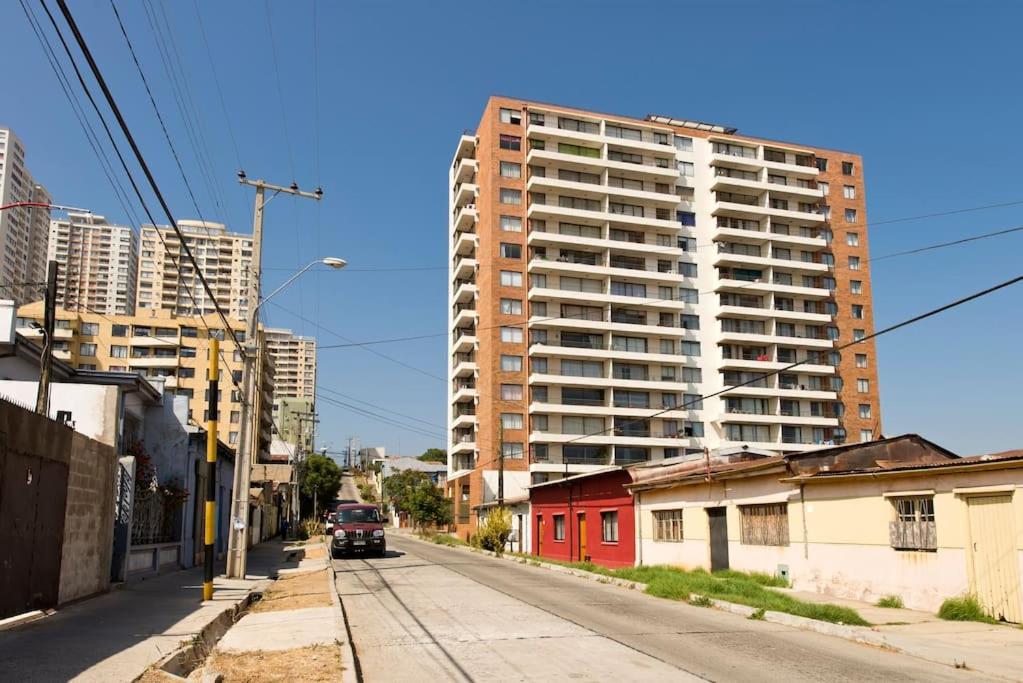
49,323
500,463
211,467
251,374
350,460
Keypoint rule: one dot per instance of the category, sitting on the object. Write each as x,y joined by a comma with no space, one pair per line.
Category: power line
280,90
942,245
216,81
373,405
841,347
382,418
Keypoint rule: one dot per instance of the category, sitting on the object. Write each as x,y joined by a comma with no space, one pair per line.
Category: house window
512,142
510,278
512,116
90,329
864,411
766,524
850,215
559,527
87,349
668,525
854,263
511,223
855,286
609,526
914,526
511,334
861,360
511,392
849,191
857,311
511,250
509,169
847,168
863,386
511,306
511,363
509,196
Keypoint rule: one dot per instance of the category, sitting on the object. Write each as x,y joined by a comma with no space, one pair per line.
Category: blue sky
926,92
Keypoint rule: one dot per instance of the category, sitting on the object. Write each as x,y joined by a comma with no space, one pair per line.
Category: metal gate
124,489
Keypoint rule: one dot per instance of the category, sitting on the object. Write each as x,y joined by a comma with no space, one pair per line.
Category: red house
586,517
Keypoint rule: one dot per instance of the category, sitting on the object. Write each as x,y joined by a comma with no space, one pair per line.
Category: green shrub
309,528
891,602
964,608
494,531
758,615
700,601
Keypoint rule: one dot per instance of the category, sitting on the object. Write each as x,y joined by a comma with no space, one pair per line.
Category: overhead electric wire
216,82
953,243
280,89
382,418
373,405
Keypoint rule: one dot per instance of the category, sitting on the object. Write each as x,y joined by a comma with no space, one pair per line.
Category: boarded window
667,525
914,527
766,524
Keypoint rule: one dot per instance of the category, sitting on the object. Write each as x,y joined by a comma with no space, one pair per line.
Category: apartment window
578,150
221,335
850,215
511,420
509,196
512,450
687,218
511,334
511,250
90,329
631,399
511,363
690,322
692,375
87,349
863,386
119,330
854,263
847,168
765,524
861,360
511,392
849,191
689,296
852,239
668,525
512,142
857,311
236,417
189,332
186,372
512,116
690,348
233,437
511,306
511,224
859,334
118,351
683,144
511,278
824,188
609,526
685,168
687,269
566,123
86,366
626,157
856,286
864,411
509,169
559,527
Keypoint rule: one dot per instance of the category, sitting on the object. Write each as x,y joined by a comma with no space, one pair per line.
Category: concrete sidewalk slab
283,630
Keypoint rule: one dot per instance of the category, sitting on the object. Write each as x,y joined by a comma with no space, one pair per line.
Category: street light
331,261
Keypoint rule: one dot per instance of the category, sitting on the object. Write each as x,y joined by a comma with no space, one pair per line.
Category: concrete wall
88,519
845,549
93,407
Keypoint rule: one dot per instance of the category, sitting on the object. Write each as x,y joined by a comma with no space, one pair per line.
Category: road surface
430,613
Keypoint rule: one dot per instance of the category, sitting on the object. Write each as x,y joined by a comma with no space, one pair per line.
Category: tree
414,493
434,455
321,479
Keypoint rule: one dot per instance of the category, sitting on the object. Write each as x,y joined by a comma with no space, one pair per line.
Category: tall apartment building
294,359
23,230
98,264
224,258
607,272
160,345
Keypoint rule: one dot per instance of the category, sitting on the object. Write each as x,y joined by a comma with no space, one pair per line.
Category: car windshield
357,515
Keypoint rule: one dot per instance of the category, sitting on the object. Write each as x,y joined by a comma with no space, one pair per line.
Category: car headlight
340,533
378,533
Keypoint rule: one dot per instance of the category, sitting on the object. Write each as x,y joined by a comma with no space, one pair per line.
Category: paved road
348,488
429,613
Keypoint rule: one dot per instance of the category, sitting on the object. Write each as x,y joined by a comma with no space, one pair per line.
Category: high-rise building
98,264
224,258
295,421
294,359
161,345
608,272
23,230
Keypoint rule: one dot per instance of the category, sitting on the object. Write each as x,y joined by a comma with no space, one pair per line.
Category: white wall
93,407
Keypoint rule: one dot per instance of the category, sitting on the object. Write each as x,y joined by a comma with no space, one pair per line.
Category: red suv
358,527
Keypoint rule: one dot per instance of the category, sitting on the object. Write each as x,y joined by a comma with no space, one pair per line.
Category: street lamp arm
332,262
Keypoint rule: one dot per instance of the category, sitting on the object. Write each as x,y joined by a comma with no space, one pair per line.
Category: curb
350,669
859,634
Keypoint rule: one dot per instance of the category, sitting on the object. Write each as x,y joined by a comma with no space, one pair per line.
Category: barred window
765,524
914,526
668,525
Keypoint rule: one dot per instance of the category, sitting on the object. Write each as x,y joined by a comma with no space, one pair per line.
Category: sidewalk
116,636
992,649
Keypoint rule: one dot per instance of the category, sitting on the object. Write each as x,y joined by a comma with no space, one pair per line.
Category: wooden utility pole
49,324
211,467
249,436
500,463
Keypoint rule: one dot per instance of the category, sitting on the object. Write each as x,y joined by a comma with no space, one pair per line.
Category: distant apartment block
607,272
23,230
98,264
224,258
294,359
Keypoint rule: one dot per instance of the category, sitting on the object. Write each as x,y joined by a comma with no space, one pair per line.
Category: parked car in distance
328,523
358,528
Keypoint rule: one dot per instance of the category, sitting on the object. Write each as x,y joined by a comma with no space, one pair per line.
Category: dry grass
313,664
314,552
296,592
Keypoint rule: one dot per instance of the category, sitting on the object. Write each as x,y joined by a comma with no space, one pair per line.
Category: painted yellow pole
211,467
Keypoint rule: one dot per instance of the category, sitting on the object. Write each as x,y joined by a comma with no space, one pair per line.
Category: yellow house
898,516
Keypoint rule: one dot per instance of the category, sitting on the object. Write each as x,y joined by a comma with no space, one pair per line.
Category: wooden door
539,535
994,569
718,522
582,538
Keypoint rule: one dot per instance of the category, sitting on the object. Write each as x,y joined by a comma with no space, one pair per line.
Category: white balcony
465,268
583,324
777,392
777,418
548,158
163,342
463,447
548,184
465,318
543,293
768,366
792,169
466,218
62,354
598,354
464,368
547,265
746,286
465,194
464,343
464,394
647,384
463,421
750,338
561,409
723,258
466,243
466,292
750,312
153,362
465,168
466,146
538,238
